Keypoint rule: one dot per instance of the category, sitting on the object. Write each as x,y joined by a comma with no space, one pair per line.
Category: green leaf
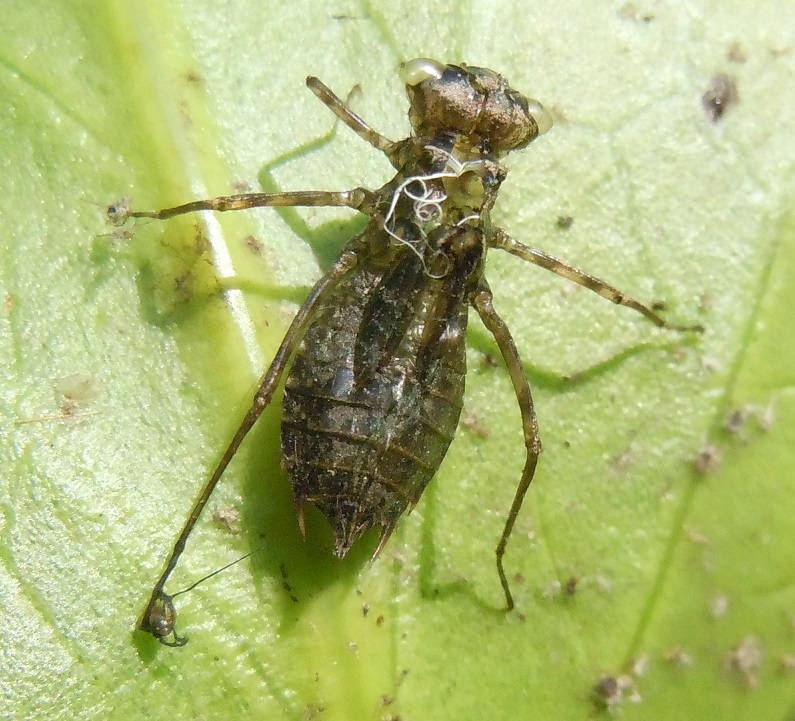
685,575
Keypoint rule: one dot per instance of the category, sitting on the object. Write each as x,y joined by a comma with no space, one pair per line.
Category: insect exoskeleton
475,103
376,354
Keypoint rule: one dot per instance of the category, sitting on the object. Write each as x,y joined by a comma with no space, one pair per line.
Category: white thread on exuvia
427,206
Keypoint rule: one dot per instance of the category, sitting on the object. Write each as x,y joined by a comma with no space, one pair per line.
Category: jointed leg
159,617
504,242
495,324
358,199
347,116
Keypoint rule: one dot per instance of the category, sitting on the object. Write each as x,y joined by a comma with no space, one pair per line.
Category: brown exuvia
374,392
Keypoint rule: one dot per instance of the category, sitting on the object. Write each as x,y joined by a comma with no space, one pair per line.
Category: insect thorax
443,183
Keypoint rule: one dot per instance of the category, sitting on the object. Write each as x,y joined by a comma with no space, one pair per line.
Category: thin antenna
210,575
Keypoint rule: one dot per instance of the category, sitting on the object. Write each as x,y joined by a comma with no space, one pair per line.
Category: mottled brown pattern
372,401
375,389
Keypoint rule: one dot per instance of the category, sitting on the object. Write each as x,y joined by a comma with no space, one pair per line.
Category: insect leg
496,325
152,620
347,116
358,199
501,240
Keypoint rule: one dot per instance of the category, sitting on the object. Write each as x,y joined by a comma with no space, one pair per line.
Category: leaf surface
625,558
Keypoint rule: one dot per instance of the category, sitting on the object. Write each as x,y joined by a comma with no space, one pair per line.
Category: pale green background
166,101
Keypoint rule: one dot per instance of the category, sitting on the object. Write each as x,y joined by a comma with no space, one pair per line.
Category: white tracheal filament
427,203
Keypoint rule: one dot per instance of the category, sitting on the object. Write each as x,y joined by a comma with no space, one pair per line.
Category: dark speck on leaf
720,96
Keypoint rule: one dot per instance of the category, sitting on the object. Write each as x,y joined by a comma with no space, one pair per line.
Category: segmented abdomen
374,396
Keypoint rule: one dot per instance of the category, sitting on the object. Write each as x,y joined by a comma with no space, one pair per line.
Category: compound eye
420,69
540,114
